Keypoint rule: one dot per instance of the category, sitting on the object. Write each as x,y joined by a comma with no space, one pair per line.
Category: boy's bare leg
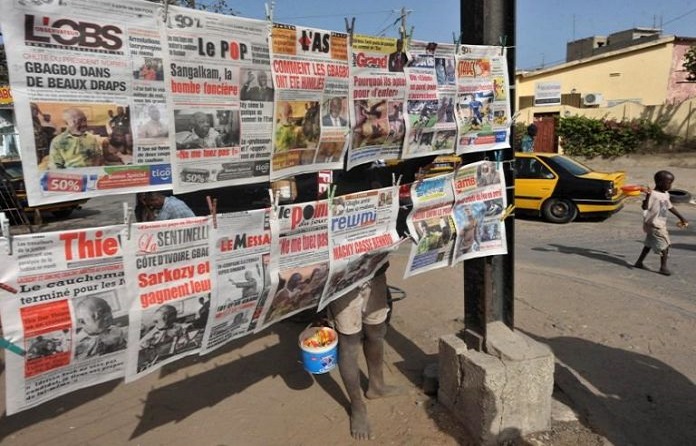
663,263
373,347
643,254
349,348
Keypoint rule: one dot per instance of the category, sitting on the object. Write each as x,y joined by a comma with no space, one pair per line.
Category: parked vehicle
560,189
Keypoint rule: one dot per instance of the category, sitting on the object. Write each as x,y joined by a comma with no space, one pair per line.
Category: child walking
655,207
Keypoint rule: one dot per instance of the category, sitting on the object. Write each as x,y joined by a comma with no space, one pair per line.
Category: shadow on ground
594,254
627,397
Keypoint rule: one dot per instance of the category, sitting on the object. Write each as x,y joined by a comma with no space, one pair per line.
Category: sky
543,26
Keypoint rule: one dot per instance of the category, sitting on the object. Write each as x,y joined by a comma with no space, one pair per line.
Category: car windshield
571,165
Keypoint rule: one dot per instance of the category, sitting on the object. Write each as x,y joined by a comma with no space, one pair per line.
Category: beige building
636,73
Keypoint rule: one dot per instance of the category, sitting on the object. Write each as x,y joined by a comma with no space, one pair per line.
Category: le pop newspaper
483,99
480,201
431,224
377,91
168,274
362,234
431,128
220,99
241,254
303,260
310,74
63,300
88,83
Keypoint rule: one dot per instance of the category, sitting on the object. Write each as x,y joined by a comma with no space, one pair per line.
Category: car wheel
679,196
558,210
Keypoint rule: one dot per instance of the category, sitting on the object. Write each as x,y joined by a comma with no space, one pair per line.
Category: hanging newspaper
221,99
431,224
167,270
303,266
310,73
63,301
377,94
241,247
362,234
430,92
483,100
88,84
479,194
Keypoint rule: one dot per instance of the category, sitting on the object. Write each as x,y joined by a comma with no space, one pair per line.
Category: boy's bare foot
639,265
385,392
665,272
359,426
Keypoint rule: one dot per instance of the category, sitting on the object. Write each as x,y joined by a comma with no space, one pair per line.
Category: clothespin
272,202
332,192
269,11
498,159
127,219
14,348
457,40
212,207
506,213
5,231
350,28
503,41
165,12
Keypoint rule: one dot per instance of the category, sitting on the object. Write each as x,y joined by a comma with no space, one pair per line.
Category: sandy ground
255,392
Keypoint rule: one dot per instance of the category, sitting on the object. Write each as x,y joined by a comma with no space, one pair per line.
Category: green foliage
517,133
608,138
690,63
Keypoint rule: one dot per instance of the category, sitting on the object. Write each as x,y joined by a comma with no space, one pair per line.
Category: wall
679,118
639,73
679,88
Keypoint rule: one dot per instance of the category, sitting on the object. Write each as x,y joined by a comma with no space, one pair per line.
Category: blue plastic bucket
318,360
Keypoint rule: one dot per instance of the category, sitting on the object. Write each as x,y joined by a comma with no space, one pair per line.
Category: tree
690,63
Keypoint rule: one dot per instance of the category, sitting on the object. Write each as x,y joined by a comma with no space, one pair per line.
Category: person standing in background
528,138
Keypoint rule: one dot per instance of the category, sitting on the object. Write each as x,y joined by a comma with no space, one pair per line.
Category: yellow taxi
560,189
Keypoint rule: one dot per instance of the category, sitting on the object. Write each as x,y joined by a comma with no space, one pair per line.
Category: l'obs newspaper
89,95
310,74
221,99
63,300
167,266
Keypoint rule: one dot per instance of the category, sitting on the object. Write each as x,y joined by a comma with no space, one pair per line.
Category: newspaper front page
63,301
220,99
89,95
167,268
430,97
431,224
480,201
377,91
241,255
483,99
303,259
310,73
362,234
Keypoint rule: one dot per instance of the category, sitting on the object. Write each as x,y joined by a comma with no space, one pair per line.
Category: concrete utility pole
489,281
